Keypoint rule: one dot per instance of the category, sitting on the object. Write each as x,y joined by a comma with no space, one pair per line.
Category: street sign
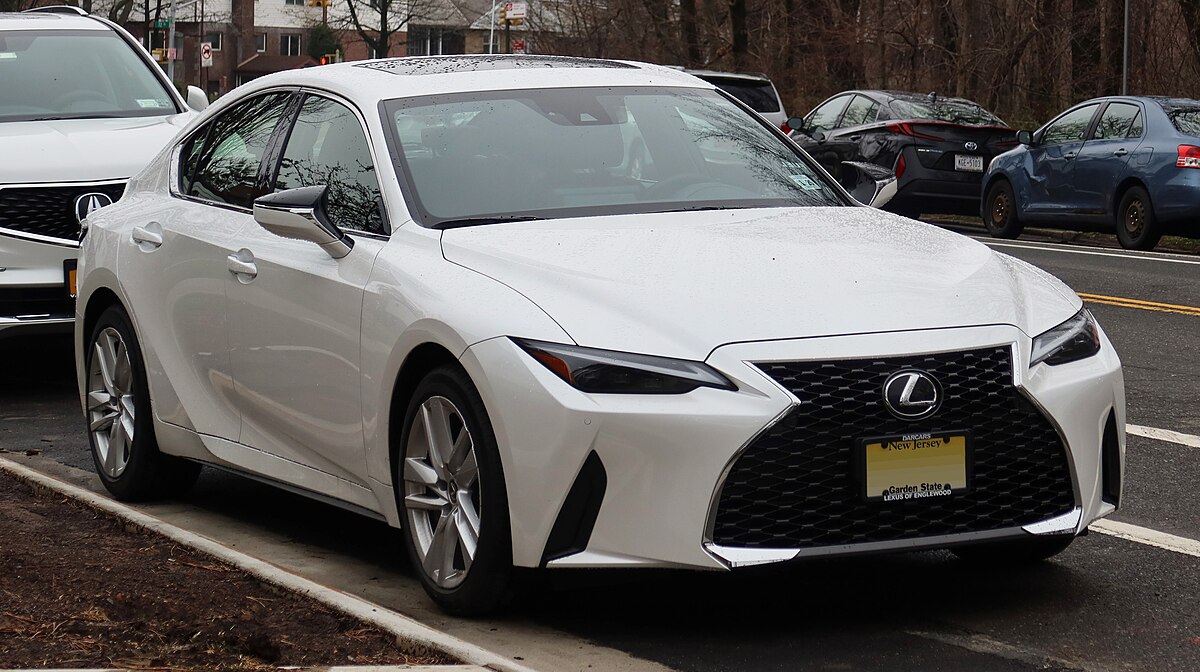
171,54
515,10
161,24
518,46
206,59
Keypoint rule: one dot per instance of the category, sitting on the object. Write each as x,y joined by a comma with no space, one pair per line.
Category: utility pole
171,44
1125,55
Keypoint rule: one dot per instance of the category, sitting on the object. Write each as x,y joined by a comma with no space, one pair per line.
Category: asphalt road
1105,604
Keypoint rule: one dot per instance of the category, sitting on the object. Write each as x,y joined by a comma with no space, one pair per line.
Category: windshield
952,111
574,152
1186,119
75,74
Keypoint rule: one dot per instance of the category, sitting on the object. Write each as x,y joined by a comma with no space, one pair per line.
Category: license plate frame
71,277
936,468
968,163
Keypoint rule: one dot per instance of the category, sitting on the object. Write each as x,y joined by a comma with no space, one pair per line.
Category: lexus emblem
912,395
89,203
971,146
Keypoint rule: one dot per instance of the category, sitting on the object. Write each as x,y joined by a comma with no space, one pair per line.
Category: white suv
82,107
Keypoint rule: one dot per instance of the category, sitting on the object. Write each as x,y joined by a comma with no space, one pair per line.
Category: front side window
577,152
76,74
860,111
289,44
327,146
826,116
1116,121
221,164
1070,127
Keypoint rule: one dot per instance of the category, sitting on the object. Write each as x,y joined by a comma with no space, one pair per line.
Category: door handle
855,138
1121,152
1069,155
242,265
149,236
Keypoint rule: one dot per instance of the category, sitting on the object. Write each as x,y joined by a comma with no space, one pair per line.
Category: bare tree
378,22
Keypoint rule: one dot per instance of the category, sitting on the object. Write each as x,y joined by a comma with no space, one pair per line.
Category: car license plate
70,273
915,466
968,162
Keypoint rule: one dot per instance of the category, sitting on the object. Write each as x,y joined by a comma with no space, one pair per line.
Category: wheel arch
419,362
1119,193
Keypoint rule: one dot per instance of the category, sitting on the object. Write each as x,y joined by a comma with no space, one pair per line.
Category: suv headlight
609,372
1075,339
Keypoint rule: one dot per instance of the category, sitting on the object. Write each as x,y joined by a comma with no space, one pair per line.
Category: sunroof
441,65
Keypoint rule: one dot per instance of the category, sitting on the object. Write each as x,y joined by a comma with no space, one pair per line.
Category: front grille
798,484
15,301
48,211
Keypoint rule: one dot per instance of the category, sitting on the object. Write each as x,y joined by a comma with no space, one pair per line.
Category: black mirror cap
796,124
1025,137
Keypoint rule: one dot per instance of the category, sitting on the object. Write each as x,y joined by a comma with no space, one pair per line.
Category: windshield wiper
481,221
703,208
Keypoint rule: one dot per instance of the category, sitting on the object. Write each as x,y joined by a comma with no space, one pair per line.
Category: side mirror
300,214
868,183
1025,137
197,99
797,124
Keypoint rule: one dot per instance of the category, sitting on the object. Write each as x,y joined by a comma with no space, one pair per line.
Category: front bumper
33,293
665,457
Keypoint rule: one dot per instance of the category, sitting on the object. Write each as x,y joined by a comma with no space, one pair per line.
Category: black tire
486,584
1018,552
1137,227
147,473
1000,211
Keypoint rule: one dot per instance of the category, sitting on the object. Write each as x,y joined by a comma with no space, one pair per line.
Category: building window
424,41
260,42
215,39
289,44
294,2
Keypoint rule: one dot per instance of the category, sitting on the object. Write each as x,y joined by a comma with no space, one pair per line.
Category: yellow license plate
71,274
915,466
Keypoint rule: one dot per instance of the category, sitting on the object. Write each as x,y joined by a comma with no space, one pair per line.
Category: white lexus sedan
438,292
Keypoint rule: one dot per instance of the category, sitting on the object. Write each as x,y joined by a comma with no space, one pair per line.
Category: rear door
1051,164
1103,161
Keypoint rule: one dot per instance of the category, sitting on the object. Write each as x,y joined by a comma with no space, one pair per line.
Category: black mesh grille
47,211
16,301
798,485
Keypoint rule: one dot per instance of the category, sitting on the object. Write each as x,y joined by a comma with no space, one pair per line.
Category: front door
1052,162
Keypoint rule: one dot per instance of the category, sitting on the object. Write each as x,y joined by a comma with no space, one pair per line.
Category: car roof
911,96
49,21
368,82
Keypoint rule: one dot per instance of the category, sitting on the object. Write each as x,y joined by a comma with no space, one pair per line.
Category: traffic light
329,58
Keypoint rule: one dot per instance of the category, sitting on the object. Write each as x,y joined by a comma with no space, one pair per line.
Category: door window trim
1041,132
1141,111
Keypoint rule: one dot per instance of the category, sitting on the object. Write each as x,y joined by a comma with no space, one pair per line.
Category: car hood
683,284
78,150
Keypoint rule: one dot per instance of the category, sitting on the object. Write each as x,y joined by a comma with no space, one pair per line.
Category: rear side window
758,94
1116,121
861,111
224,165
1070,127
327,146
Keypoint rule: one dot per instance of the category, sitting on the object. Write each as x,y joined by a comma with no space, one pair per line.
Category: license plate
915,466
70,274
968,162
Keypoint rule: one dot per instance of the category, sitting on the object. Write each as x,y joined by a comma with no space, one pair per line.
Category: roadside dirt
79,590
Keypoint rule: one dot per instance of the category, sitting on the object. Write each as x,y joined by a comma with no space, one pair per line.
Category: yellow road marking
1140,304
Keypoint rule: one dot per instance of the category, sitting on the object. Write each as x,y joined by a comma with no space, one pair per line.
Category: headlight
608,372
1074,339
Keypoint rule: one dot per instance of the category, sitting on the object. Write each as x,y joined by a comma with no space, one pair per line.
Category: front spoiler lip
733,557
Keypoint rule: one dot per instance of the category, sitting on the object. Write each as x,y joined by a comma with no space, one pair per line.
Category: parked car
937,146
752,88
1129,163
492,337
82,107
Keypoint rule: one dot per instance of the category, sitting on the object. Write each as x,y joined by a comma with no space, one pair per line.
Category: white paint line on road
401,626
1147,536
1095,251
1164,435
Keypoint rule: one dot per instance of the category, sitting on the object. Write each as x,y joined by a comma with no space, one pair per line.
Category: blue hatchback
1128,162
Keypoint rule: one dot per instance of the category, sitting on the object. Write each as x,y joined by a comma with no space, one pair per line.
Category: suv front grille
48,210
798,484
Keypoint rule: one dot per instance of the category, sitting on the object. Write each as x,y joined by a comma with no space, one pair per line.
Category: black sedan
938,147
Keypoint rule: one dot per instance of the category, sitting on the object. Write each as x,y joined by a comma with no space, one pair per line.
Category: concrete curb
415,634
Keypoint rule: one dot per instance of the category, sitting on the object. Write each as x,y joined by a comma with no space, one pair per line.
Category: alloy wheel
110,401
441,492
